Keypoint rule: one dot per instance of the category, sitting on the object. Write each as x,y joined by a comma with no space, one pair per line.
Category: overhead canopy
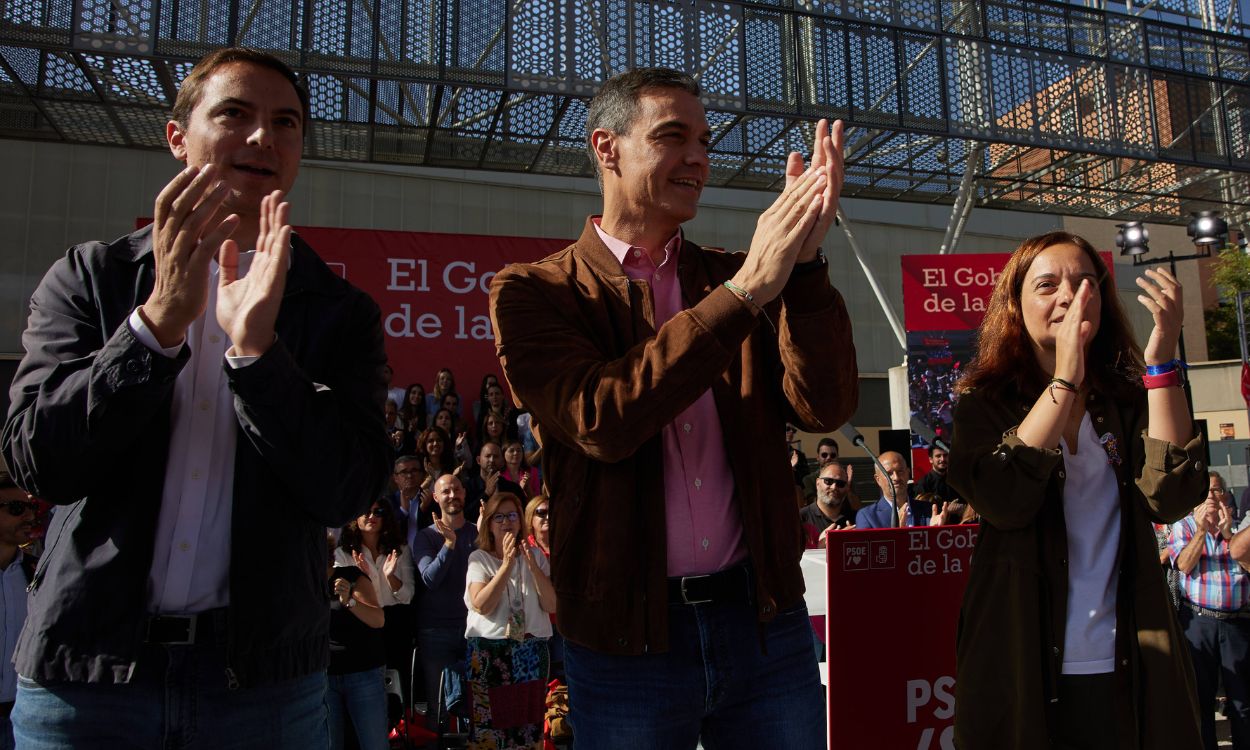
1050,106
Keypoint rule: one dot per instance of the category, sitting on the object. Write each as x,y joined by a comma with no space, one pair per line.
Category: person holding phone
510,599
442,551
356,688
1068,445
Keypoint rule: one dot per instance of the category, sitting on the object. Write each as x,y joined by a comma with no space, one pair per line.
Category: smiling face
655,173
898,474
249,124
1049,287
513,454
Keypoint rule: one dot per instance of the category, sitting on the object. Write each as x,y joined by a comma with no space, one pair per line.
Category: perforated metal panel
1134,115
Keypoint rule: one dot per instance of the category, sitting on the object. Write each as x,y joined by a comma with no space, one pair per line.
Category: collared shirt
701,518
191,556
1216,581
12,617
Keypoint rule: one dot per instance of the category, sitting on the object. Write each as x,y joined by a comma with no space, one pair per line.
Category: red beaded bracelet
1169,379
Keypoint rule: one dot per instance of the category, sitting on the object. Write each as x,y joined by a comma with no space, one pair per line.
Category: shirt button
1062,475
205,405
1099,420
706,543
698,483
637,253
214,338
185,547
195,474
687,427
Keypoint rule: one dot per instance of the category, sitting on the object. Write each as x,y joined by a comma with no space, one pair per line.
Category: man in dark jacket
201,414
660,377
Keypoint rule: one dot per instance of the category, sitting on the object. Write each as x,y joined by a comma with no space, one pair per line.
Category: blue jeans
440,648
176,698
360,697
714,685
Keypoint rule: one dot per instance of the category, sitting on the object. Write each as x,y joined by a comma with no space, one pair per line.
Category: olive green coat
1011,630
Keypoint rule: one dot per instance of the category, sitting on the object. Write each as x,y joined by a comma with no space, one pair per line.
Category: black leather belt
729,586
1216,614
186,630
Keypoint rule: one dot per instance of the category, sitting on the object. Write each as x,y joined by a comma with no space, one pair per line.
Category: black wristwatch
811,265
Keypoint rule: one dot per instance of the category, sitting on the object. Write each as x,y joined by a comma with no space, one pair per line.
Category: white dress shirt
191,558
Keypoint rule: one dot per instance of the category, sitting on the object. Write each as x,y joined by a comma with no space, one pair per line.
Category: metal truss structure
1023,104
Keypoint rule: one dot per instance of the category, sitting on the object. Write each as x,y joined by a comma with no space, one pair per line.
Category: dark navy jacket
89,429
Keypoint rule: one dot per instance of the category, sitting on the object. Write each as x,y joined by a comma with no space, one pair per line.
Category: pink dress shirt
702,519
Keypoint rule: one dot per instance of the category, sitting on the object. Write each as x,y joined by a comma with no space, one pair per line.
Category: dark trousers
1086,712
1221,653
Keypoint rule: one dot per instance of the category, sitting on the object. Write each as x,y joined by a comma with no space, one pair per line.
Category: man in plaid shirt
1215,610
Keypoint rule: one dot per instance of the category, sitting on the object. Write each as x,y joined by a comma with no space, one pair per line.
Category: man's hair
409,457
489,442
935,447
826,442
1216,475
192,88
615,107
834,462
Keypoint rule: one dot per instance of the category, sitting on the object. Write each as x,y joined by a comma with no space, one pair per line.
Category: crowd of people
204,398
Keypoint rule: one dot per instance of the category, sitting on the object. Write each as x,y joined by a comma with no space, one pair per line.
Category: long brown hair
1005,355
486,537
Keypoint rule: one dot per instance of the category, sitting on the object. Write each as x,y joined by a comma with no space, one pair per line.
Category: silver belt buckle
685,597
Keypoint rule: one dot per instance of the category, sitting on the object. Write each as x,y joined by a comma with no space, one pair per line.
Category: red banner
948,292
893,605
433,290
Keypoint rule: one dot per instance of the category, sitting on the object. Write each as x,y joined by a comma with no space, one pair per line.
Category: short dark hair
827,442
935,447
615,107
407,458
192,88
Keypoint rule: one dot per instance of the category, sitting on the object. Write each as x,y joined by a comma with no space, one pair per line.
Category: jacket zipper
46,558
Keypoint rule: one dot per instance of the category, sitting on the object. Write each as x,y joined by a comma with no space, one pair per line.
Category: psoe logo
855,555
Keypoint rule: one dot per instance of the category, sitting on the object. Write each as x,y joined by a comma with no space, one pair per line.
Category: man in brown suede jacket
660,377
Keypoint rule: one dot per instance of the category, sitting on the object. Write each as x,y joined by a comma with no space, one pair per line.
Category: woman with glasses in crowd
355,691
375,544
1068,448
509,596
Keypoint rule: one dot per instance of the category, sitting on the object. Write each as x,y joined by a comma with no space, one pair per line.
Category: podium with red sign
893,600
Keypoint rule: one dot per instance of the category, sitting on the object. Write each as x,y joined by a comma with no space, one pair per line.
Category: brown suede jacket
578,345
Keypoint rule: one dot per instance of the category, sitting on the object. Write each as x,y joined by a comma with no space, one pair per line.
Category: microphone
850,433
927,434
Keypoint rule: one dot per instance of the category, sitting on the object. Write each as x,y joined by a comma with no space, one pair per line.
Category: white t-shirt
1091,510
521,589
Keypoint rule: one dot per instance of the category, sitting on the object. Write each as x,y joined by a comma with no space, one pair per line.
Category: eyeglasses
827,456
376,511
831,482
540,513
505,517
20,507
412,470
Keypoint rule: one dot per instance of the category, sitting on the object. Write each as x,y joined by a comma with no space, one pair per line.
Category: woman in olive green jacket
1066,636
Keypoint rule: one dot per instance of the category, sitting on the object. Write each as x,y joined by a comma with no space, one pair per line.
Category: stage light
1132,238
1207,228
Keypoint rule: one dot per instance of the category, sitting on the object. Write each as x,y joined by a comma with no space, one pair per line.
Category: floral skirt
508,685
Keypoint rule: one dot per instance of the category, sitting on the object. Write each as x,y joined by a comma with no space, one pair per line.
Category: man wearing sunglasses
826,451
832,509
17,521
